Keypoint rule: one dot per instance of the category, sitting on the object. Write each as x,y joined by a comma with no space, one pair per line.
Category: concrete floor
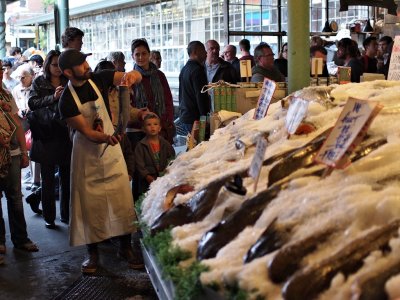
51,271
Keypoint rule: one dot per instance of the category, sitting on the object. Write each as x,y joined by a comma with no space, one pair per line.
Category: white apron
101,196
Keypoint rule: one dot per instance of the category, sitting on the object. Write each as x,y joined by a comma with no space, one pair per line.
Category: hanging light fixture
368,28
327,27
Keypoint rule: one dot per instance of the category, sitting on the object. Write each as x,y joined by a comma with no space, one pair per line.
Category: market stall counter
299,204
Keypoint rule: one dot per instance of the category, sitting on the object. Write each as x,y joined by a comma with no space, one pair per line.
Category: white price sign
258,159
350,128
296,113
264,100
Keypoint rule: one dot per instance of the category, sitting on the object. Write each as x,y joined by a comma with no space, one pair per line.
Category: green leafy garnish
186,280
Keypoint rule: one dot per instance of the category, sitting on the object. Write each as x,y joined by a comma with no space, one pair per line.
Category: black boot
34,200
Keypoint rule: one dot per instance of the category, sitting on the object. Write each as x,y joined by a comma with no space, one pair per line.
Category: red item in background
28,139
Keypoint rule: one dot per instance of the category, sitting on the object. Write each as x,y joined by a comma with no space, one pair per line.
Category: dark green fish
226,230
300,158
194,210
288,259
270,240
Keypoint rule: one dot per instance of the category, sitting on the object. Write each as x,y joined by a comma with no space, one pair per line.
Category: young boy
152,154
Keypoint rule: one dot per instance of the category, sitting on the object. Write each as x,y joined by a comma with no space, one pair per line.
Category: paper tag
245,68
344,75
316,66
394,67
264,100
258,159
350,128
296,113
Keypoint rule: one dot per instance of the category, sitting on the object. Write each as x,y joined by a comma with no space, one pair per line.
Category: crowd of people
72,113
79,157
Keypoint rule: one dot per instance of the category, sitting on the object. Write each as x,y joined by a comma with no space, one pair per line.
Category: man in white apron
101,197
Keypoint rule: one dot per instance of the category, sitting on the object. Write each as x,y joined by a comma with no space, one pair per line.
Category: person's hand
58,92
130,78
112,140
24,160
119,137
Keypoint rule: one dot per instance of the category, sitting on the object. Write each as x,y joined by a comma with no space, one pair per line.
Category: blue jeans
11,186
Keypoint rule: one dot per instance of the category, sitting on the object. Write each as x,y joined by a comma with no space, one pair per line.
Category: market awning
389,4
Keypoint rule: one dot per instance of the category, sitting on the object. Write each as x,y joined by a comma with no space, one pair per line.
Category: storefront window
170,25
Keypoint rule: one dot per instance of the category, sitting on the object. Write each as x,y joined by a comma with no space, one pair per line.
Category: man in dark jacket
217,68
193,103
230,56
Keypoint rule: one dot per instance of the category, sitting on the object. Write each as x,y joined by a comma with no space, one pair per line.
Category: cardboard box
247,98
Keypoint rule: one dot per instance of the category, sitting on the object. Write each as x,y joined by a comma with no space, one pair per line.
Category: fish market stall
319,220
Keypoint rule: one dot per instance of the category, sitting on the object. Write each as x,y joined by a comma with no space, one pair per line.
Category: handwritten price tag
296,113
350,128
264,100
256,163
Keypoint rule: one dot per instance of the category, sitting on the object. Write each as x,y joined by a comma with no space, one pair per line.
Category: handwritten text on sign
354,120
264,100
296,113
